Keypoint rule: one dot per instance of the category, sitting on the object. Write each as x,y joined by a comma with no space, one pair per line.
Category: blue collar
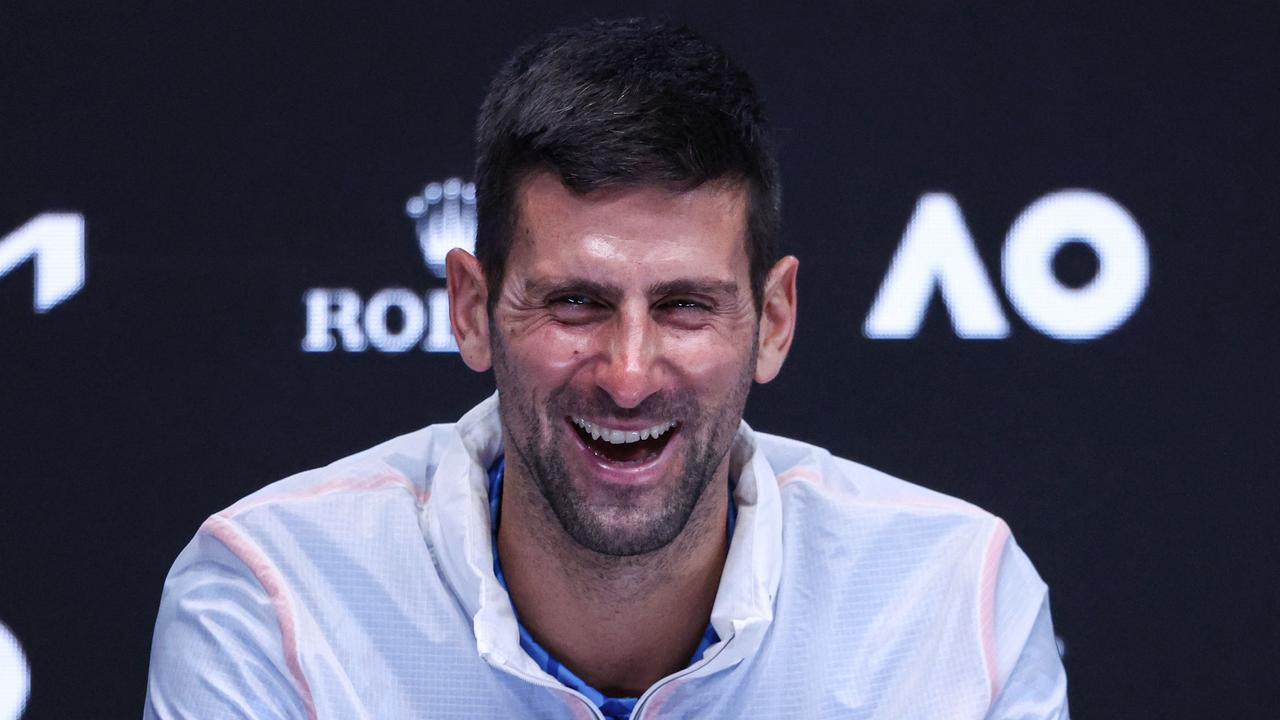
612,707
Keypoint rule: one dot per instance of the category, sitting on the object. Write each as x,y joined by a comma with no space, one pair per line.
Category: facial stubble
623,527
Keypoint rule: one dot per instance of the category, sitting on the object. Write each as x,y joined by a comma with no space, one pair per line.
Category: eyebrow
694,286
546,286
680,286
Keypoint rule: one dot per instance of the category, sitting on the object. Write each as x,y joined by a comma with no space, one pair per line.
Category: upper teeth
618,437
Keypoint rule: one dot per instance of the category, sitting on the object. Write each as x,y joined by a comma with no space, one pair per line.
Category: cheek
711,366
549,358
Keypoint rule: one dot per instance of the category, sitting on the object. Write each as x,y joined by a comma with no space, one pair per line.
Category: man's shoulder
874,531
311,574
335,521
370,495
403,466
803,467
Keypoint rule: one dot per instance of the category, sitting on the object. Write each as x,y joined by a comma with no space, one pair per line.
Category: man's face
624,344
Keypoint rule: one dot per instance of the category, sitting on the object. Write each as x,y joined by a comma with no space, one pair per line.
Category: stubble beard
623,526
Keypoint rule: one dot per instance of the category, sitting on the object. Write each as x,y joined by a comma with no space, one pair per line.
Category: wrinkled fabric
365,589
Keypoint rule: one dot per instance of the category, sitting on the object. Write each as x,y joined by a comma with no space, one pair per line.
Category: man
605,537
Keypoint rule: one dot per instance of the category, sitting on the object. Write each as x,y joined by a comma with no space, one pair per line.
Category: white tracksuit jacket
365,589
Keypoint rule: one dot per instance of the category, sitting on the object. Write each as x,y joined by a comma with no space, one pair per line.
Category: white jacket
365,589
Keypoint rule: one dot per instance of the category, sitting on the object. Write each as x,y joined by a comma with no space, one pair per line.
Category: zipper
642,703
591,707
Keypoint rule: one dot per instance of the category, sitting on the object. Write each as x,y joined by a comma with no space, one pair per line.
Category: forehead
640,229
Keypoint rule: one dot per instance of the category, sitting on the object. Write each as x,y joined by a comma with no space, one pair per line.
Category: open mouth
624,446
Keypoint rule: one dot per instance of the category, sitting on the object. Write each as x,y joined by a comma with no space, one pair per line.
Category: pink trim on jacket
351,482
800,473
987,604
277,590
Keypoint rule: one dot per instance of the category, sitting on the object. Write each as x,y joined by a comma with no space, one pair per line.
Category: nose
629,369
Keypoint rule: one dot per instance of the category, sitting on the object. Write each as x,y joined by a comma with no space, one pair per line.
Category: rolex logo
444,215
398,319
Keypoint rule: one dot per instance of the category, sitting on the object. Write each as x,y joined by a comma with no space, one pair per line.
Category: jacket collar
457,528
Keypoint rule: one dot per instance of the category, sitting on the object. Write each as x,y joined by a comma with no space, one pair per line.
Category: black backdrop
227,159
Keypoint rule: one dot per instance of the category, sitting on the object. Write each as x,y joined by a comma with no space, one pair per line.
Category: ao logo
938,251
444,217
55,243
15,676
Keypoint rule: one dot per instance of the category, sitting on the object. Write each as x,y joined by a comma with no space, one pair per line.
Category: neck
619,623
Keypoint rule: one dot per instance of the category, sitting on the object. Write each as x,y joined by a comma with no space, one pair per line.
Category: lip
645,473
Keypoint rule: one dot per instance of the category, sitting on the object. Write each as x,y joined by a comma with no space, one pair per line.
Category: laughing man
605,536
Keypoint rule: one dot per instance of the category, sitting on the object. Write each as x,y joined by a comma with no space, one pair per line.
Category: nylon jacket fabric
365,589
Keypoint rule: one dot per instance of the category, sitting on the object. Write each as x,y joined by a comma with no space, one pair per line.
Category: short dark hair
619,103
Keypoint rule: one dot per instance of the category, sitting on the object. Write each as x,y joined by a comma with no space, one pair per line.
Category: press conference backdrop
1038,261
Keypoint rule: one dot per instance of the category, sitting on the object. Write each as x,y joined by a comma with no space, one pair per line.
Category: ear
468,295
777,318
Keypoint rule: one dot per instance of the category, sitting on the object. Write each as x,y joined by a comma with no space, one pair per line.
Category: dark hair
616,103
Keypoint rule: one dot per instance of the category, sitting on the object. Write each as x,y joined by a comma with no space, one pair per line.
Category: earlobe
777,318
468,310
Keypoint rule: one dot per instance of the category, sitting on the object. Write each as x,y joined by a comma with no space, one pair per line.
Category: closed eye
574,301
684,304
576,309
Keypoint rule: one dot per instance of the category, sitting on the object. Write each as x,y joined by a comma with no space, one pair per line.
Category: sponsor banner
399,319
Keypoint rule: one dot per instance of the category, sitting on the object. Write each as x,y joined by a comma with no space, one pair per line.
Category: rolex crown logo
444,216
